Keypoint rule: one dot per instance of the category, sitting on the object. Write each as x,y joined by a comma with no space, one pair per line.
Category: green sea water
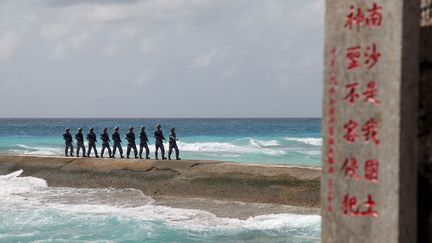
293,141
30,211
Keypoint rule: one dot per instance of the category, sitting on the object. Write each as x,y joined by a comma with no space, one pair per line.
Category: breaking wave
21,195
309,141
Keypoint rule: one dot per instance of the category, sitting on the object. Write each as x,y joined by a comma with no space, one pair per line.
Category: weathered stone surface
357,208
186,178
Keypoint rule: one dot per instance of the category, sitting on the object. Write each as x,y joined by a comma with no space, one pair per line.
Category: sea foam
33,193
309,141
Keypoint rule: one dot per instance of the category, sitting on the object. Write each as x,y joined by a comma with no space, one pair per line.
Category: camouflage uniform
130,136
91,138
117,143
158,135
68,143
80,143
143,144
105,143
173,144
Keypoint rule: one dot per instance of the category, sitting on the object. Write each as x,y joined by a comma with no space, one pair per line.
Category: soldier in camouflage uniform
68,143
158,135
143,143
173,144
91,138
130,136
80,142
117,142
105,142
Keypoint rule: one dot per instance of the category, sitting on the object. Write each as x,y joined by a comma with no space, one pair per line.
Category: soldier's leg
114,149
162,151
156,151
128,150
135,150
78,149
141,147
120,147
83,149
109,151
66,149
177,151
94,147
170,151
89,150
103,150
71,150
147,151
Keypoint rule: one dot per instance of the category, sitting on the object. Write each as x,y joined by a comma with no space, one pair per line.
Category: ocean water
30,211
294,141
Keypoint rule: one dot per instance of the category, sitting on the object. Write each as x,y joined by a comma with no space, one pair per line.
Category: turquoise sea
30,211
294,141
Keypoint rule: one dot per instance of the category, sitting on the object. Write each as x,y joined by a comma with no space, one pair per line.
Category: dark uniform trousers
129,146
90,147
161,146
68,145
118,146
144,145
171,147
81,146
106,146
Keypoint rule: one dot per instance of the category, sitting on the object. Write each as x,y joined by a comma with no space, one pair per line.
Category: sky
161,58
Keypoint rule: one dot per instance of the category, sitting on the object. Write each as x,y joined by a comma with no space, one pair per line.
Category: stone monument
370,121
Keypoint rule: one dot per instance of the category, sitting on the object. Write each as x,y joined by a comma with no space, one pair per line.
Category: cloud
212,57
109,50
55,30
112,13
208,51
69,44
8,42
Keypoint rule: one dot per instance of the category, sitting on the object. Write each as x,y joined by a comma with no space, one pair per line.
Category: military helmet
142,128
172,128
130,128
91,129
67,129
105,129
116,128
80,129
158,126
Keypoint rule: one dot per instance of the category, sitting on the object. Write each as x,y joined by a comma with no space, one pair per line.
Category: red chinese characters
353,55
330,194
369,131
357,17
351,169
372,56
351,134
371,170
369,94
352,95
361,60
358,56
352,207
375,16
331,121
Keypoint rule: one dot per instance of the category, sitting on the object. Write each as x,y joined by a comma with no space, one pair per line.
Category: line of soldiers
130,137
